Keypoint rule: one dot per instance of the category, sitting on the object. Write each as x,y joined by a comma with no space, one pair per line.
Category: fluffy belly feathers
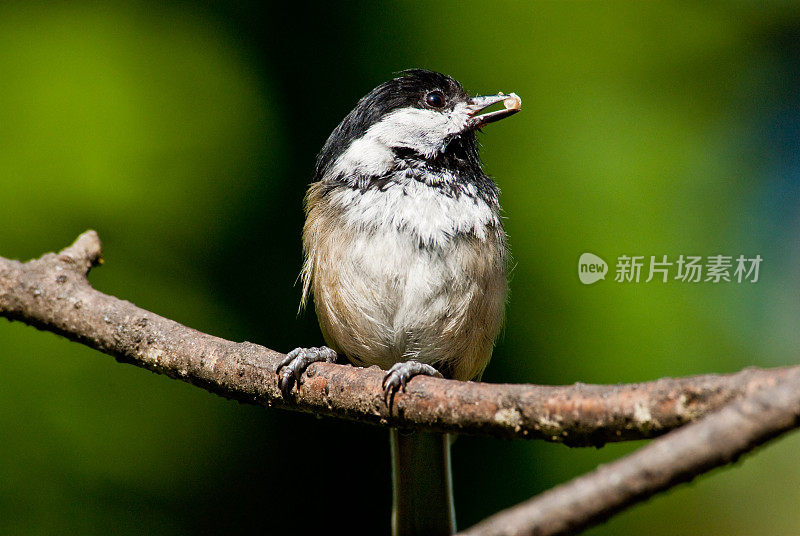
382,296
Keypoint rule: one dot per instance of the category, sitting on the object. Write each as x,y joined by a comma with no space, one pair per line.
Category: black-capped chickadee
405,255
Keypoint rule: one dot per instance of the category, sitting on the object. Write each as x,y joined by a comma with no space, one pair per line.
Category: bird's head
421,114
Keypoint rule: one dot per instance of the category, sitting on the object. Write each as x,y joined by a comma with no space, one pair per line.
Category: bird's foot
297,361
399,375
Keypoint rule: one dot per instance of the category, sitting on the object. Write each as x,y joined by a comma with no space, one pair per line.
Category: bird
406,258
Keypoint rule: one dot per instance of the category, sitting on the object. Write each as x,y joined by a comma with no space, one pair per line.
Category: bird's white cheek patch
425,131
366,156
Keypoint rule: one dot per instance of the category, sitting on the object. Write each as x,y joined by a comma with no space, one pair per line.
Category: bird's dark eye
435,99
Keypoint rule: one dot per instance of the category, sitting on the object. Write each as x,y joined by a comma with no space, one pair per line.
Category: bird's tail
422,484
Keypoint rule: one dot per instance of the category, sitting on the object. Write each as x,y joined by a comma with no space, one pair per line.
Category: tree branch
716,440
52,293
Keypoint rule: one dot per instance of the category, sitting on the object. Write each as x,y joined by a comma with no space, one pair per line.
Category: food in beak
511,102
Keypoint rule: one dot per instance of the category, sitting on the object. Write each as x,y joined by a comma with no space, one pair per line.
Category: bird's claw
296,362
398,376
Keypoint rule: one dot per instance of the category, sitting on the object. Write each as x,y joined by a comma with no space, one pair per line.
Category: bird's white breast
410,273
422,211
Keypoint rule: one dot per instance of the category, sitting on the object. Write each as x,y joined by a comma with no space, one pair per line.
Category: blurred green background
186,134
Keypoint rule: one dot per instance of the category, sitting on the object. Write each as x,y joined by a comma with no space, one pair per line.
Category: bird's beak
512,104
